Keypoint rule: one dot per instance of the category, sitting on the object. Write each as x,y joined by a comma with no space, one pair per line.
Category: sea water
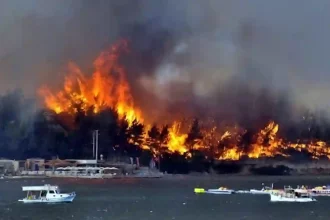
166,198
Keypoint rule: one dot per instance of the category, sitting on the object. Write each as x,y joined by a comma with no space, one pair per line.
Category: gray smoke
214,52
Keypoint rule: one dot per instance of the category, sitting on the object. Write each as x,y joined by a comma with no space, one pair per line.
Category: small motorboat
221,190
292,195
264,190
320,191
46,194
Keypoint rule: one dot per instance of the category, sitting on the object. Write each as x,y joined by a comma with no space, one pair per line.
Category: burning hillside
107,87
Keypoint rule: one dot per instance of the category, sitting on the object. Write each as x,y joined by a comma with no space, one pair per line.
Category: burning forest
182,83
104,100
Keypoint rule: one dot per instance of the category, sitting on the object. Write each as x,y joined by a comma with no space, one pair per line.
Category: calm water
161,199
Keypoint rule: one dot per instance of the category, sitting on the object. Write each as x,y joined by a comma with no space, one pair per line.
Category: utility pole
93,144
97,144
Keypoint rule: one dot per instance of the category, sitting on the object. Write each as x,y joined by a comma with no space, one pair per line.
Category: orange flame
269,145
107,87
176,140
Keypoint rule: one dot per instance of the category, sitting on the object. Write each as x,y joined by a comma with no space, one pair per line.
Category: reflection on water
161,199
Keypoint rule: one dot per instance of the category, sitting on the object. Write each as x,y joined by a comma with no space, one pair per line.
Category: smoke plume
241,59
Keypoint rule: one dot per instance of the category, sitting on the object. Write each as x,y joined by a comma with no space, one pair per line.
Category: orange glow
275,146
176,140
107,86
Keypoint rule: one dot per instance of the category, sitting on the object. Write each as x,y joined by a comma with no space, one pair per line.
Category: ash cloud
223,55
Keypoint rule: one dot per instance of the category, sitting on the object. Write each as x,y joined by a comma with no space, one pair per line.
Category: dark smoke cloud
200,54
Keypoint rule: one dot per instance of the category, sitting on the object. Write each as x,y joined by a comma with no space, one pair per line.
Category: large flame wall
107,86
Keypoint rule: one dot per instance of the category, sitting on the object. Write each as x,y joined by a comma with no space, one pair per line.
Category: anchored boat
292,195
264,191
321,191
221,190
46,194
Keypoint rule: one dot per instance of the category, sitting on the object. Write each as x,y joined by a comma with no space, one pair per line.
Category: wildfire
267,144
176,140
107,86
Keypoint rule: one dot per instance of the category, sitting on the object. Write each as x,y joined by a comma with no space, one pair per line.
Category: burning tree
157,141
103,101
194,136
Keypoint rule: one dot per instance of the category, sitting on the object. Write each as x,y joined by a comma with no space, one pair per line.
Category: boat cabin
267,188
298,193
41,192
288,189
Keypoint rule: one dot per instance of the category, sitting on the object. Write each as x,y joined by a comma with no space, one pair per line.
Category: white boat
321,191
221,190
243,191
46,194
292,195
264,191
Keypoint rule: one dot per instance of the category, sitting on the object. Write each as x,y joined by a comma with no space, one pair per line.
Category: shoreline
178,176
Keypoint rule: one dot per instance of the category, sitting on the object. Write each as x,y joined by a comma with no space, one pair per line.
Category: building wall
32,163
9,165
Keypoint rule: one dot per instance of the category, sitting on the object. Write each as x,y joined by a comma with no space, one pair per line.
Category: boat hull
282,198
320,192
219,191
263,192
64,199
259,192
243,192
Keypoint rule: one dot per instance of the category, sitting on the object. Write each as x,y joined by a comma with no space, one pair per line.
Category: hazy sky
287,45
